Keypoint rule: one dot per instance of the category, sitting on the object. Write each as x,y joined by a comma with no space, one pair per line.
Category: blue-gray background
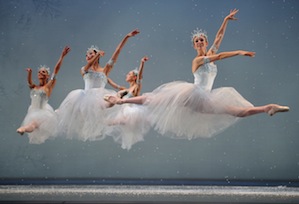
33,33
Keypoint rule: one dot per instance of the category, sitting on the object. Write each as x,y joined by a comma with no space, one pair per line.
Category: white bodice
94,79
205,75
39,98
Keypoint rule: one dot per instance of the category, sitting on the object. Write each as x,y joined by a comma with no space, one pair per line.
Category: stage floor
146,194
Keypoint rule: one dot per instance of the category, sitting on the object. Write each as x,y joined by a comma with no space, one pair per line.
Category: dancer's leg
108,104
136,100
27,128
117,100
271,109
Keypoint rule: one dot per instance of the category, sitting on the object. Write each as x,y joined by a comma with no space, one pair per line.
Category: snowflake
47,8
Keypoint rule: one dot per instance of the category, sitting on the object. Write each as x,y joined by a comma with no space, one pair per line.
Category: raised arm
140,75
115,55
52,81
140,71
199,61
115,85
29,78
220,34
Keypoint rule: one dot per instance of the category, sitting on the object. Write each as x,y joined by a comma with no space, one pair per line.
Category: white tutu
187,110
83,113
192,112
43,114
129,125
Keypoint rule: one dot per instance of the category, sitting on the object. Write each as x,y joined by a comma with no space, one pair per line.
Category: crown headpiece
93,48
135,72
44,67
198,33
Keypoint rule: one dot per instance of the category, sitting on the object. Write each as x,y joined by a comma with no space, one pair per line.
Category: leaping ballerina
128,125
82,114
191,110
41,122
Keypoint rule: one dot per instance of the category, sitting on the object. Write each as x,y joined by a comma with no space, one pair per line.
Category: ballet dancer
83,112
41,122
191,110
128,125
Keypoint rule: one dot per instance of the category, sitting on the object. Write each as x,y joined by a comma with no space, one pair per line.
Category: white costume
187,110
43,114
83,113
129,124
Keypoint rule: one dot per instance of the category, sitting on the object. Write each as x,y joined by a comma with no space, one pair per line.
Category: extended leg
117,100
27,128
271,109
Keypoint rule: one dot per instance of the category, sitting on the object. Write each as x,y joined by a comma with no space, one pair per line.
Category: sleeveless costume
187,110
83,113
43,114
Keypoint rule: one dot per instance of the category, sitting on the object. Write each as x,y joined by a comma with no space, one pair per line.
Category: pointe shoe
277,108
112,99
21,131
106,98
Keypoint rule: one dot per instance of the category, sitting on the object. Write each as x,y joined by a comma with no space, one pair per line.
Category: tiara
135,71
198,33
93,48
44,67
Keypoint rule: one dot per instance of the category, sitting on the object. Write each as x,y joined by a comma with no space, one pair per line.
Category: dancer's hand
144,59
133,33
247,53
29,70
102,53
65,51
231,15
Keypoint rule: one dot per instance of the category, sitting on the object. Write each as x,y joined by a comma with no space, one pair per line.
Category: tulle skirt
129,125
185,110
83,114
47,123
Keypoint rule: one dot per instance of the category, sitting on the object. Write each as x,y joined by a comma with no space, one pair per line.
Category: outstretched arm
199,61
140,75
115,85
52,81
220,34
29,78
115,55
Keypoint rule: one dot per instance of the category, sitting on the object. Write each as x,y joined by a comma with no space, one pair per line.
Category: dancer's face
89,55
42,74
200,42
130,77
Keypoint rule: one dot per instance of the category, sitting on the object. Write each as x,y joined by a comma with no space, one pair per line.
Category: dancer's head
199,39
92,51
43,72
132,76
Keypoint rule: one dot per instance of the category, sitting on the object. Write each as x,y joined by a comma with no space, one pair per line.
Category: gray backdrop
34,33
